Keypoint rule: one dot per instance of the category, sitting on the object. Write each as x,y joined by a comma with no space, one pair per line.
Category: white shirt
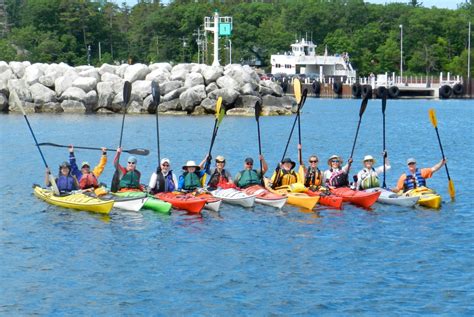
154,177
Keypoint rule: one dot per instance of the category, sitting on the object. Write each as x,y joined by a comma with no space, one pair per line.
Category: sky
450,4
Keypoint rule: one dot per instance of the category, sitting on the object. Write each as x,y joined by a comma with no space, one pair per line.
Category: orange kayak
326,199
356,197
181,201
212,203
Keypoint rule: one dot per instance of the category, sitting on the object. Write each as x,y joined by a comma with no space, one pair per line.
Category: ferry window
277,65
287,66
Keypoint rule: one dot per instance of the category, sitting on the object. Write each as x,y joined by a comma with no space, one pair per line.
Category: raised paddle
434,122
51,177
384,106
258,110
220,112
155,92
142,152
363,106
127,91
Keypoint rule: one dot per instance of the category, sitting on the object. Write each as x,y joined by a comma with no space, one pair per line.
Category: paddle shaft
442,152
384,185
36,141
259,144
132,151
158,136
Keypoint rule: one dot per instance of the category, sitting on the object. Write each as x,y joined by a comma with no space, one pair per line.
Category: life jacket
217,178
286,178
338,178
370,180
313,178
412,182
248,178
191,181
88,181
131,179
164,183
65,183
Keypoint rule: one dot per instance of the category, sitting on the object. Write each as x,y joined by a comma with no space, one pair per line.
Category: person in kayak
86,178
163,179
129,176
336,176
313,177
219,176
250,176
286,175
415,177
65,181
368,177
191,178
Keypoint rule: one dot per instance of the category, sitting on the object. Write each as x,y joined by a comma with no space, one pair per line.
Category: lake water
387,261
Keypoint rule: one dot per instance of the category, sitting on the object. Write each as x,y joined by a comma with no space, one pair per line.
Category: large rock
265,91
42,94
120,70
211,74
228,95
149,105
6,75
246,101
49,78
170,86
3,102
21,88
33,73
107,68
4,67
142,88
172,105
211,87
199,110
136,72
110,77
227,82
73,106
14,103
159,76
249,89
91,100
191,98
49,107
136,107
165,67
193,79
4,87
209,105
85,83
18,69
74,93
269,100
240,112
65,81
275,88
83,68
105,94
91,73
180,72
174,94
242,74
275,111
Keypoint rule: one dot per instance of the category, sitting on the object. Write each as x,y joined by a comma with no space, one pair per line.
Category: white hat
191,164
368,158
165,160
334,157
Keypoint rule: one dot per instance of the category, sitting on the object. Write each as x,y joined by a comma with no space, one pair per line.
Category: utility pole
401,52
184,47
469,61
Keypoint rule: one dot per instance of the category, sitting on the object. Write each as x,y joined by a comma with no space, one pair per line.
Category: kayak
124,203
327,199
234,196
296,199
356,197
428,197
212,203
76,201
151,203
182,201
390,198
265,197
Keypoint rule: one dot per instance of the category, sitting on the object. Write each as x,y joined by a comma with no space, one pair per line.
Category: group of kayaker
164,180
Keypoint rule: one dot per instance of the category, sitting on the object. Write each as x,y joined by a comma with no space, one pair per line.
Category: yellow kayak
75,201
428,197
297,199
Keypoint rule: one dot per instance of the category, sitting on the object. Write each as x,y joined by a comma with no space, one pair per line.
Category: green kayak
151,203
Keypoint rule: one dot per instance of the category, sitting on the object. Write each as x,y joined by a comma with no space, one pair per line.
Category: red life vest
88,181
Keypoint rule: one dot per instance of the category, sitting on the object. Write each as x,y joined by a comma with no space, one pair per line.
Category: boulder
59,69
265,91
180,72
91,100
21,89
91,73
174,94
209,105
106,95
142,88
198,68
32,74
49,107
64,82
120,70
240,112
276,88
199,110
48,79
73,106
110,77
200,90
74,93
170,86
269,100
211,87
227,82
6,75
3,102
193,79
83,68
149,105
118,86
14,101
136,107
42,94
246,101
242,74
275,111
85,83
18,69
172,105
190,98
211,73
165,67
136,72
4,67
228,95
288,102
158,75
4,87
249,89
107,68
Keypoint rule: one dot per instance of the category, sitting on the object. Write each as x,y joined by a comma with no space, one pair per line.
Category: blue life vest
164,183
65,183
412,182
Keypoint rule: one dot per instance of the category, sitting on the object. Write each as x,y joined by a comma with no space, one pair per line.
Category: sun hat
191,164
411,160
368,158
249,160
334,157
132,159
165,160
220,158
85,164
288,160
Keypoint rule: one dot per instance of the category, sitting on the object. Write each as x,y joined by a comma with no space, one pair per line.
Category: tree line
50,31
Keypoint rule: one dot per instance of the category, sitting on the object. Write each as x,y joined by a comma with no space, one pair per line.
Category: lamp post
89,55
230,51
401,53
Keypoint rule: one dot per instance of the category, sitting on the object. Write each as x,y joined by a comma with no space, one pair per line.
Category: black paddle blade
127,92
303,97
115,181
155,92
384,100
258,109
363,105
143,152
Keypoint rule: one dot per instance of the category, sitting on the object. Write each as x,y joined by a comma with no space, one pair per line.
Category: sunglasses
131,163
248,163
223,162
368,161
335,161
165,165
313,161
411,163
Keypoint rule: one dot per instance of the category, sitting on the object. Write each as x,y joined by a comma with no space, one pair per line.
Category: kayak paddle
434,122
14,96
155,92
384,106
363,106
258,110
127,91
142,152
220,112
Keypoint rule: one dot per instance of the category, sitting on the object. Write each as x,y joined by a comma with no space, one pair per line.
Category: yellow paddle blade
301,172
297,188
452,192
218,106
203,180
434,122
220,116
297,90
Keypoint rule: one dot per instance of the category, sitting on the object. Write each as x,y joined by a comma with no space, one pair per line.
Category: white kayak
235,197
391,198
121,202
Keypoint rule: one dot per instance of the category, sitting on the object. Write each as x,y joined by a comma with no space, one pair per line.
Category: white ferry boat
303,60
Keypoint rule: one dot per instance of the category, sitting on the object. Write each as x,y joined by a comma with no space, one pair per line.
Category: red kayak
182,201
327,199
265,197
356,197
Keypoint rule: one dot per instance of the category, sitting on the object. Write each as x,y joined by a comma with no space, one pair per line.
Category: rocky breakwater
184,89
